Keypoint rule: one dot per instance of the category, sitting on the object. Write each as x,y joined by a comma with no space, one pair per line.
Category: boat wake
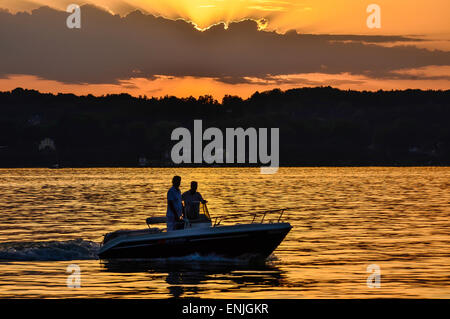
77,249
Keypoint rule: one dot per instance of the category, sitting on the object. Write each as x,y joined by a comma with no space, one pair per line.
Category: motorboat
203,236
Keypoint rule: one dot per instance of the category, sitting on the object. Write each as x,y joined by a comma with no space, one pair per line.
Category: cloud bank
111,48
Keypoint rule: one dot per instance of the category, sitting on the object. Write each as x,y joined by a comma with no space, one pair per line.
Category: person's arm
172,206
201,199
171,200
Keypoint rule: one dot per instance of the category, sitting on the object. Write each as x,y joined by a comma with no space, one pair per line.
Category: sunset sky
215,50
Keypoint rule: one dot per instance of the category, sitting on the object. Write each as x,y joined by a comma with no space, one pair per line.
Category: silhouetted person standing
192,200
174,205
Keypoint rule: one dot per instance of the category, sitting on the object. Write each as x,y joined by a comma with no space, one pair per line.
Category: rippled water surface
348,218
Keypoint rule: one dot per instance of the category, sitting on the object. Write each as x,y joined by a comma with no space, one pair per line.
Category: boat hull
254,240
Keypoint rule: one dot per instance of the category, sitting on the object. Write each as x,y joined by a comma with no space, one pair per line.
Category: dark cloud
418,76
109,48
301,80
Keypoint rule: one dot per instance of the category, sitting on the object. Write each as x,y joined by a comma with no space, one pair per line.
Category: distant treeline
318,126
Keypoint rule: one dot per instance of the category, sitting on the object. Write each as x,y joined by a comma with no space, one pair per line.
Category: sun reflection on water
396,218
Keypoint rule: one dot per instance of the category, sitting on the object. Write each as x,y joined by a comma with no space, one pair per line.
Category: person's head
194,186
176,181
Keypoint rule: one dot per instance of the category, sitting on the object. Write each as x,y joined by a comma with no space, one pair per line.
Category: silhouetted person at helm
174,205
192,200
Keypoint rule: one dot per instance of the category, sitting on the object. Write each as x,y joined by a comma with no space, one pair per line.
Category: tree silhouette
318,126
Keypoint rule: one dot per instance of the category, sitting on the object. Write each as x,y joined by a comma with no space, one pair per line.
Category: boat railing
258,217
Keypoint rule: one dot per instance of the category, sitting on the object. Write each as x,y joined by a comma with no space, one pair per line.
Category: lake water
347,219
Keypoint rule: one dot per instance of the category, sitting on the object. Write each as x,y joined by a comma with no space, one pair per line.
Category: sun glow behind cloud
421,17
317,16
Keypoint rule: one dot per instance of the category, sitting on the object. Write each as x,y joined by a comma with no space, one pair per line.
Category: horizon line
145,97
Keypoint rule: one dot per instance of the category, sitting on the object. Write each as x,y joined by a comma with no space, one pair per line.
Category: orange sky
190,86
427,18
